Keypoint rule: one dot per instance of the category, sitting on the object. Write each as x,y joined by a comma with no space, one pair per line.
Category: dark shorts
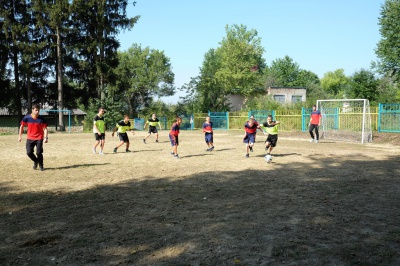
100,137
208,137
153,129
273,139
30,145
123,137
174,140
249,138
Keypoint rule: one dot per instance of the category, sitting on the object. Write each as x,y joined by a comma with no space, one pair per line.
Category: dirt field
330,203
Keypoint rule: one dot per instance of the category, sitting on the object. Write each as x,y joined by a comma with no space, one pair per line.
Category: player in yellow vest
271,129
123,126
152,122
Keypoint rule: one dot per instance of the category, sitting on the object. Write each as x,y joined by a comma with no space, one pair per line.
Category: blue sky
319,35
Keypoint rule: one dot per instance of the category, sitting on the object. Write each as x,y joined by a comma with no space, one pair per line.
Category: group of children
250,128
38,133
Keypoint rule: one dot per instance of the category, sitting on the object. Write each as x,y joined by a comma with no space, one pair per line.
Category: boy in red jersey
173,137
37,132
250,129
208,133
315,122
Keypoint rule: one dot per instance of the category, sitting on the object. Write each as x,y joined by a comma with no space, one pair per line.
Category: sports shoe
157,140
316,141
101,153
94,150
247,156
144,141
115,150
41,167
211,149
128,150
311,140
35,166
173,154
251,148
176,156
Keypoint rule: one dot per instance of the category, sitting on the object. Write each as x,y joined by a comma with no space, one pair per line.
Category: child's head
250,122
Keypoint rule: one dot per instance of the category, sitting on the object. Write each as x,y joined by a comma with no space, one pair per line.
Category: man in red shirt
315,122
36,134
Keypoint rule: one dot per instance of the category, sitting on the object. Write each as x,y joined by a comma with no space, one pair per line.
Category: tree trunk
60,82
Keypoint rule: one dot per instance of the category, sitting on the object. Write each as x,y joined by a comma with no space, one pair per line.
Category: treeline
59,52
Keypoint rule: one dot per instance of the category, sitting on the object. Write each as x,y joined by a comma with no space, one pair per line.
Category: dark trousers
30,145
311,128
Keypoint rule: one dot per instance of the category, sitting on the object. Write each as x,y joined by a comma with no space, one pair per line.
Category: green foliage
363,85
142,74
241,60
388,49
333,83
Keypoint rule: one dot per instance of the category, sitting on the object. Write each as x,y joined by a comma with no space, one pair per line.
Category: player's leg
39,153
310,130
30,144
316,133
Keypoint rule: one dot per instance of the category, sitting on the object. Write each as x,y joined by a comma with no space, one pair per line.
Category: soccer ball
268,158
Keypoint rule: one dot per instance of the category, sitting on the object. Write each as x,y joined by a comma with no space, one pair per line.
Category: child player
123,126
250,129
208,133
173,137
271,129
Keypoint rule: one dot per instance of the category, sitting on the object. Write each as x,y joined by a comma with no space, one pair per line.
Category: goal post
346,119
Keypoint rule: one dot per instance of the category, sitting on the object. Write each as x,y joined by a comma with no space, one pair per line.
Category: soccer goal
346,120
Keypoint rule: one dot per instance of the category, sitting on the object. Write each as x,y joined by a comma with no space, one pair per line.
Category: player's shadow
281,154
197,155
223,149
75,166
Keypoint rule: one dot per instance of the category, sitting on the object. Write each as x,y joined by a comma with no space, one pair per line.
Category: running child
208,133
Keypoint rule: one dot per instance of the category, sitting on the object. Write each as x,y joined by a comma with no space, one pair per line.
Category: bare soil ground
331,203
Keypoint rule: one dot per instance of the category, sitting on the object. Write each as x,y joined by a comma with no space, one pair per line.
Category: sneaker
144,141
211,149
101,153
35,166
311,140
176,156
251,148
173,154
115,150
94,150
247,156
157,140
41,167
316,141
128,150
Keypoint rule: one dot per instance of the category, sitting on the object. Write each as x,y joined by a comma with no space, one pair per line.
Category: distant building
287,94
283,95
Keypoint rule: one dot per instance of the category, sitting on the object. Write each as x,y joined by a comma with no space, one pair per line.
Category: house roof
6,112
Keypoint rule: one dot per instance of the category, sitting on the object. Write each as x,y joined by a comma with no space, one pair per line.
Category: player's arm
21,130
46,135
159,124
115,129
145,124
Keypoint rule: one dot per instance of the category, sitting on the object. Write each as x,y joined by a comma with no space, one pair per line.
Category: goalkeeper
315,123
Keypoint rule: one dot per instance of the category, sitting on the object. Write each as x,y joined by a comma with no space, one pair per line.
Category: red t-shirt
35,126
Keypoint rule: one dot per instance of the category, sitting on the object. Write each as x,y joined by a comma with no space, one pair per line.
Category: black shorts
100,137
153,129
273,139
123,137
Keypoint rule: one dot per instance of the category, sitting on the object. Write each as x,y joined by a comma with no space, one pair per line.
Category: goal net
346,120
